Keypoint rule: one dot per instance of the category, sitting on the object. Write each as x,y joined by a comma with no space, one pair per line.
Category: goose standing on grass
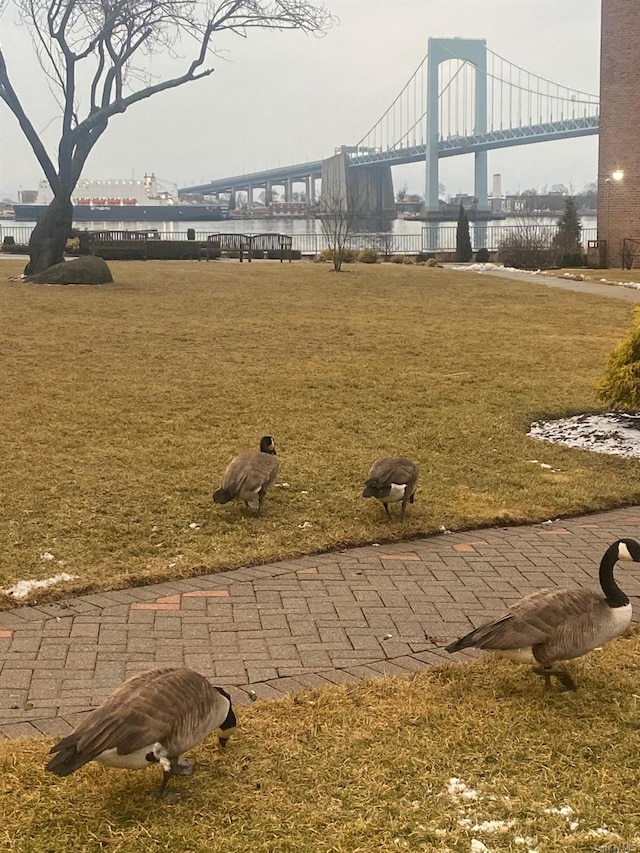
151,719
391,479
553,625
250,475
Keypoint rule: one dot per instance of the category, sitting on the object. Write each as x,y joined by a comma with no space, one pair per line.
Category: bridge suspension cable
516,98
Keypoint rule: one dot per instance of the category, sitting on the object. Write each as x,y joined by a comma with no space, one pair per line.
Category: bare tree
92,52
338,212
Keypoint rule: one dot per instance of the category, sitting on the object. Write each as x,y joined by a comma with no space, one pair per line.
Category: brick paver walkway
299,623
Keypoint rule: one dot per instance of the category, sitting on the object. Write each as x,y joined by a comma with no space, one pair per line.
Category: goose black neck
614,595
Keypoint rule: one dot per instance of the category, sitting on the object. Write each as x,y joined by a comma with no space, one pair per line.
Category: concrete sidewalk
594,288
281,627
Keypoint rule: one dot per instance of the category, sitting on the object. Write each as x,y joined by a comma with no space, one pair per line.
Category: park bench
251,246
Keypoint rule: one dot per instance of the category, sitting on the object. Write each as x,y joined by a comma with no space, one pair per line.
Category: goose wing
250,471
392,469
146,709
534,619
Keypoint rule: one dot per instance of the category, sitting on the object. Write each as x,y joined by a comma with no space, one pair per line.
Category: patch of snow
47,555
492,826
574,825
600,831
478,847
22,588
491,267
563,810
443,529
479,267
304,525
613,432
458,788
283,486
194,526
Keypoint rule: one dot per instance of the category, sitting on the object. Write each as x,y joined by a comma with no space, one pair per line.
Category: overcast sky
283,97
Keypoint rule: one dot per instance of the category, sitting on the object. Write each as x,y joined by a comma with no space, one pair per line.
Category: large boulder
85,270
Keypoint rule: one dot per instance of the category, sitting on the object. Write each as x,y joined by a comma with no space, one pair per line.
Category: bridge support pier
365,191
473,51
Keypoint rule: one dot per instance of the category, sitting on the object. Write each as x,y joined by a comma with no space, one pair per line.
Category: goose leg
180,767
161,793
546,674
561,674
565,679
386,507
405,500
261,495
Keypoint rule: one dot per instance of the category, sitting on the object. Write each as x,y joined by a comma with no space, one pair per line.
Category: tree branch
9,96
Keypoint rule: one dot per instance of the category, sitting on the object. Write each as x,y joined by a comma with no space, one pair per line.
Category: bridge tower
473,51
619,147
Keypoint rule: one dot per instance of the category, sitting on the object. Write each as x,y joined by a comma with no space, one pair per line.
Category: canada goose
250,475
552,625
391,479
150,719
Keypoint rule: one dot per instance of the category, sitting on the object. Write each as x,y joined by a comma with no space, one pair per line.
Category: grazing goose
552,625
249,475
391,479
150,719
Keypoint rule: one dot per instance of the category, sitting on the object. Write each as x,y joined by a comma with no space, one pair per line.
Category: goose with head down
150,720
250,475
392,479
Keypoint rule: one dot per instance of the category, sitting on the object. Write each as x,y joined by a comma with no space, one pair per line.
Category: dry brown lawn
122,405
367,768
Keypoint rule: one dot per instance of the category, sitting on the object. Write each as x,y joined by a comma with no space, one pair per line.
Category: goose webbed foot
566,681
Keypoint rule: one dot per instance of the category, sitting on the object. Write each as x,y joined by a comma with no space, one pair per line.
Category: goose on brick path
151,719
553,625
250,475
391,479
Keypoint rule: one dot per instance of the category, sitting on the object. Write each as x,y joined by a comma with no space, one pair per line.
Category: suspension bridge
462,99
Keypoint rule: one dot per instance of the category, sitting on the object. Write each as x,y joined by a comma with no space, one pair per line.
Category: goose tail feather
66,759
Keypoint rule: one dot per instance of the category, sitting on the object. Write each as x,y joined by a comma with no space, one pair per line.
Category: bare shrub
528,246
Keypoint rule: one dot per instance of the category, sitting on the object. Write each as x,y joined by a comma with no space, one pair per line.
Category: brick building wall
619,201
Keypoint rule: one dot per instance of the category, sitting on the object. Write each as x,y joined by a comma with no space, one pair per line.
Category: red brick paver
279,628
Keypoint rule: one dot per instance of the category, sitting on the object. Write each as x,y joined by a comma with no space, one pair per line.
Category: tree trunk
49,237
